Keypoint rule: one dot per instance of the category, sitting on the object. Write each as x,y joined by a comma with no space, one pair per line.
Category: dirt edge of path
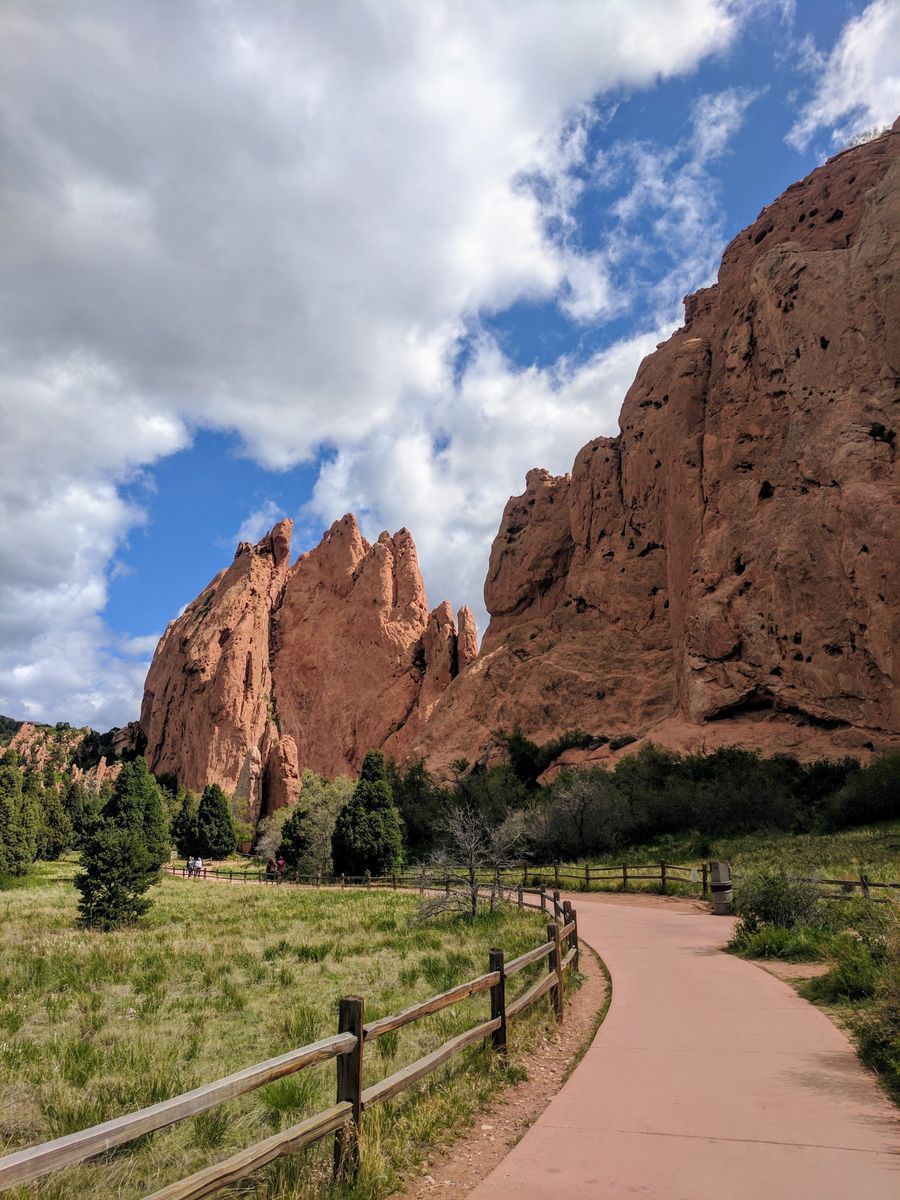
450,1172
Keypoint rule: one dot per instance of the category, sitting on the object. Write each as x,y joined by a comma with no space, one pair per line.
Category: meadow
217,977
873,850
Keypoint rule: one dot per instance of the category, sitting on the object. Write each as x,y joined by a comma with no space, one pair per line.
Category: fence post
705,880
519,896
343,881
447,886
349,1086
587,877
662,877
524,873
368,880
498,1001
554,966
624,877
864,885
543,898
557,907
556,874
577,957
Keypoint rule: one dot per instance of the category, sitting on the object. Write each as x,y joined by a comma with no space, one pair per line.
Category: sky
299,259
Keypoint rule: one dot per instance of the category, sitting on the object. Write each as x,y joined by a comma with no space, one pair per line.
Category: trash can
720,886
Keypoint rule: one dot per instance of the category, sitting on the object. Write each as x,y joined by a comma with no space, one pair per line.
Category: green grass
217,977
872,849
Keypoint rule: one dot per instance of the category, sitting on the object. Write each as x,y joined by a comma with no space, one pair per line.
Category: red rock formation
724,570
273,668
730,557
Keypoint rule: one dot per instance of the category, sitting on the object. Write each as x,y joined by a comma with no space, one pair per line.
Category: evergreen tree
30,813
74,800
215,824
296,841
15,854
56,834
185,834
123,850
118,870
367,834
135,805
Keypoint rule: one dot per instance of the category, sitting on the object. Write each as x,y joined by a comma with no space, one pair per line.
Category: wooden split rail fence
347,1048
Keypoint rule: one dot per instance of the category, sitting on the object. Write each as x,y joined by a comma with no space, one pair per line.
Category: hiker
198,866
280,866
270,870
190,866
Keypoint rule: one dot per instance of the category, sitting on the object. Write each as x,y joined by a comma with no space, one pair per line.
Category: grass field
871,849
218,977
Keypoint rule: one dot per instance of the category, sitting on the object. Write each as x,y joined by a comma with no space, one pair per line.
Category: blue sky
367,257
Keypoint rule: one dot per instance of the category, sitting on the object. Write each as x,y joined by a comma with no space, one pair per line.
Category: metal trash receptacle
721,889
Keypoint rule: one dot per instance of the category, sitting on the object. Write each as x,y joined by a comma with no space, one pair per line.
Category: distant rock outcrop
276,667
725,569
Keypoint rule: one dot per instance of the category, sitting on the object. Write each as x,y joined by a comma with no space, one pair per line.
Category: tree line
394,814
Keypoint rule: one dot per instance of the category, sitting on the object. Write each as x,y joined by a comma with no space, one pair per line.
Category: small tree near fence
470,850
367,834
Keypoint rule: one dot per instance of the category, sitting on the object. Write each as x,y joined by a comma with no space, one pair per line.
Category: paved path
708,1080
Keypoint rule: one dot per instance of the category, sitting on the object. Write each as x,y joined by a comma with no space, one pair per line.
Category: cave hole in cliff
739,566
766,492
837,215
760,701
823,342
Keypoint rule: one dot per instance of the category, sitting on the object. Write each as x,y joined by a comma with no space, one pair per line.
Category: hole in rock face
864,549
796,352
739,566
798,658
835,216
823,342
766,492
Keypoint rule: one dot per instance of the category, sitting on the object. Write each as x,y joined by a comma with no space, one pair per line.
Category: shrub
135,805
853,977
770,897
870,794
877,1030
623,739
800,944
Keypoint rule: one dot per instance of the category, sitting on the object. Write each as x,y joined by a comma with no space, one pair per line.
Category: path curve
709,1080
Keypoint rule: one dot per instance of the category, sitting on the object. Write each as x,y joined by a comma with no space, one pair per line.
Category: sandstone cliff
725,569
722,571
275,668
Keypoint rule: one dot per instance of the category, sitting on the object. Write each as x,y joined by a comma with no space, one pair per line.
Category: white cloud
716,117
858,85
256,523
280,220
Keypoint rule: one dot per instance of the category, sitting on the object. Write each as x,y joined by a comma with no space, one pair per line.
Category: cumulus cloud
281,221
858,83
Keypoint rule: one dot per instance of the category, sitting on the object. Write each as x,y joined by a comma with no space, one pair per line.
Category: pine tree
74,798
30,813
15,854
367,835
135,805
122,853
296,842
215,824
56,834
117,872
185,835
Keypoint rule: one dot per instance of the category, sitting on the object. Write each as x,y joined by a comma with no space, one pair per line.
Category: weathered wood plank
238,1166
29,1164
570,958
543,985
401,1080
567,929
526,959
433,1004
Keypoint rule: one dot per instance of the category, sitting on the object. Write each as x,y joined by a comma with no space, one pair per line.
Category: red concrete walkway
708,1080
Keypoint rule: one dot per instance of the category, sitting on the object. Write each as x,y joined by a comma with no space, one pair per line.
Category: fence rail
346,1047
